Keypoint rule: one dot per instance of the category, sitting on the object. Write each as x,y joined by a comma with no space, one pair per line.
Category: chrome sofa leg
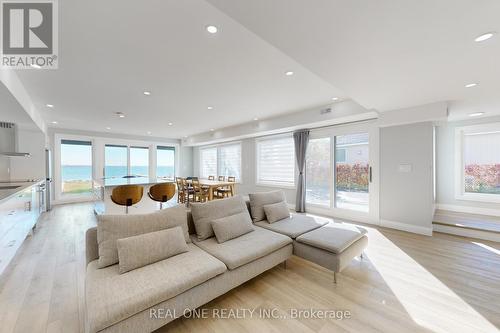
361,255
334,277
284,265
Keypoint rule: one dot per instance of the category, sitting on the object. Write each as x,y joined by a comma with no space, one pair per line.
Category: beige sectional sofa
146,298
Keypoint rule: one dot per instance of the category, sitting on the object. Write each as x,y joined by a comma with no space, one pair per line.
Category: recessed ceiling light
35,66
212,29
120,114
211,130
470,85
54,122
255,119
170,124
108,128
289,73
484,37
49,105
185,136
149,133
335,99
476,114
210,107
147,93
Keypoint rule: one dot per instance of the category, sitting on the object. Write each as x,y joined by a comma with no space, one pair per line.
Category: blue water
84,172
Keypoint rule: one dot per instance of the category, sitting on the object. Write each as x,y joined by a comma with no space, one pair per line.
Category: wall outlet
405,168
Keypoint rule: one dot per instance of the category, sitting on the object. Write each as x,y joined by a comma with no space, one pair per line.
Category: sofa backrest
92,247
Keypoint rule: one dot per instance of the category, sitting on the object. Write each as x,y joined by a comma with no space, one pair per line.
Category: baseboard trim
469,209
406,227
470,233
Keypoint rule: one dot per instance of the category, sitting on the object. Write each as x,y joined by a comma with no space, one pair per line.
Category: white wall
406,198
248,171
29,141
445,169
4,168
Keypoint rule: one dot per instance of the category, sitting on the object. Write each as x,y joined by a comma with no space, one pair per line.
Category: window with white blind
276,161
230,161
208,162
224,160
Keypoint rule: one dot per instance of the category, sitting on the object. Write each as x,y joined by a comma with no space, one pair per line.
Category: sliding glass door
339,172
352,166
318,172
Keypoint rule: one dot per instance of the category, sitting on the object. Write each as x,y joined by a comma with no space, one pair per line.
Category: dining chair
211,177
181,193
188,189
225,191
127,195
222,178
200,193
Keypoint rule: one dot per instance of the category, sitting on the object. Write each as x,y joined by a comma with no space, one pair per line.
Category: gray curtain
301,139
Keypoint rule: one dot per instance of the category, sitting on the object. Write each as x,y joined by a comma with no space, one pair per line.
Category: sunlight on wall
428,301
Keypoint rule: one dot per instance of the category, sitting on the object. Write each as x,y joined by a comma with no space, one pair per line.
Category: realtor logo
29,34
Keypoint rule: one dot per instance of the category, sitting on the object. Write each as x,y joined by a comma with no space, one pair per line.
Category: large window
76,167
352,171
276,161
165,162
222,160
115,161
139,161
230,160
208,162
318,172
480,167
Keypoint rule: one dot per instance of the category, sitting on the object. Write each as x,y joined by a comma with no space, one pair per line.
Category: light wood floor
406,283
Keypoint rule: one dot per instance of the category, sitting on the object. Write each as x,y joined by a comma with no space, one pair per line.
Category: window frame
460,193
165,147
257,165
217,162
59,196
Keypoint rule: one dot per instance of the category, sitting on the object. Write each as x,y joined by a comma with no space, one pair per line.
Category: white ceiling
12,111
387,54
111,51
384,54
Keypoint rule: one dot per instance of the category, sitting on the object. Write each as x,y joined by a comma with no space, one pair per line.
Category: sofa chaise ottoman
332,246
320,240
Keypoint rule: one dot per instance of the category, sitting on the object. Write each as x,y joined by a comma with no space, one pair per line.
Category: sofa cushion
113,227
204,213
259,199
244,249
112,297
277,211
295,225
333,237
233,226
138,251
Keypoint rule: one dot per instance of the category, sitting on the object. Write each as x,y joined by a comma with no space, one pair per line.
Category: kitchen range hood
8,133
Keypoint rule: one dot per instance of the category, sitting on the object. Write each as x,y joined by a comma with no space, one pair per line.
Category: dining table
214,184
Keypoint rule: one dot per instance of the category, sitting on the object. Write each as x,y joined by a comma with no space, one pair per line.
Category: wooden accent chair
127,195
162,192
